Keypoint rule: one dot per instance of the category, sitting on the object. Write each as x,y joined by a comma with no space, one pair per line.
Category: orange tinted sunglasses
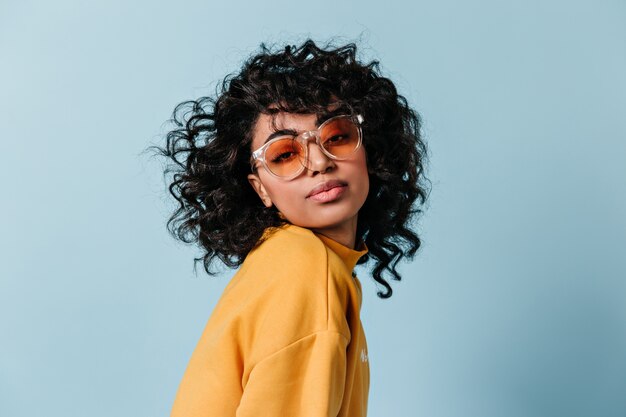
287,156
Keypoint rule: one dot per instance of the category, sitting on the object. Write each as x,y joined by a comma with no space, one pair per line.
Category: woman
306,163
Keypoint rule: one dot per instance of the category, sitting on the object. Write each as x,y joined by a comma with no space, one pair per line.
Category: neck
344,233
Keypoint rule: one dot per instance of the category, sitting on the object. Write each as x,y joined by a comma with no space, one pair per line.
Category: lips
325,186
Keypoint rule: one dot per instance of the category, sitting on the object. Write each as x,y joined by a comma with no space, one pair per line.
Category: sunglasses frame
303,138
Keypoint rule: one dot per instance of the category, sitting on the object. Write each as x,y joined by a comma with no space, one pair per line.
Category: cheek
361,172
284,195
363,191
366,181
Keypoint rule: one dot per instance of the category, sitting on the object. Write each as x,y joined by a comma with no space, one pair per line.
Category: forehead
285,121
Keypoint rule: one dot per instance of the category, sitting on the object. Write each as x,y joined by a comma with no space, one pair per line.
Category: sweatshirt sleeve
304,379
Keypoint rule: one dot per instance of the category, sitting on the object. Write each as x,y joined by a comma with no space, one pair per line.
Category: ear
256,183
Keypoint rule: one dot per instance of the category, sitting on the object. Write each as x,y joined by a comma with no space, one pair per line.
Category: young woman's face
297,199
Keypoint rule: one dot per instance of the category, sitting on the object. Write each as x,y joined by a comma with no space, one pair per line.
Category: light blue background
516,303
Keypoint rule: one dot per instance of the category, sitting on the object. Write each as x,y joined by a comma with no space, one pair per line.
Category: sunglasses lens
284,157
340,137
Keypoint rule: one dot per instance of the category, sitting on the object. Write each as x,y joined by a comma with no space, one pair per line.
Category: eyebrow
320,119
281,132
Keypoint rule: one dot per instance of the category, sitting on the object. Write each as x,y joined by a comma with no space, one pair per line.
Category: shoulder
292,235
288,289
288,249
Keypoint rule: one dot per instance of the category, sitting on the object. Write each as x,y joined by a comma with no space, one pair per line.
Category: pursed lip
325,186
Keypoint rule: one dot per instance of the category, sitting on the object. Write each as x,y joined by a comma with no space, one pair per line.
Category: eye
283,157
282,151
336,140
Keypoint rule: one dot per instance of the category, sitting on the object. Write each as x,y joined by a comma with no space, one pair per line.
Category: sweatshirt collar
348,255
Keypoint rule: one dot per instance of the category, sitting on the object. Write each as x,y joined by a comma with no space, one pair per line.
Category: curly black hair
210,146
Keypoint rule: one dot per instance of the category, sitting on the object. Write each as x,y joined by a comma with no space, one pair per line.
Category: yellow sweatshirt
285,339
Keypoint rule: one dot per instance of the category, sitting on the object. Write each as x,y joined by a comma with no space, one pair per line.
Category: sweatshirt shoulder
285,290
289,247
292,236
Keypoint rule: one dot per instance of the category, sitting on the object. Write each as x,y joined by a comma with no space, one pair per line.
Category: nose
317,161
